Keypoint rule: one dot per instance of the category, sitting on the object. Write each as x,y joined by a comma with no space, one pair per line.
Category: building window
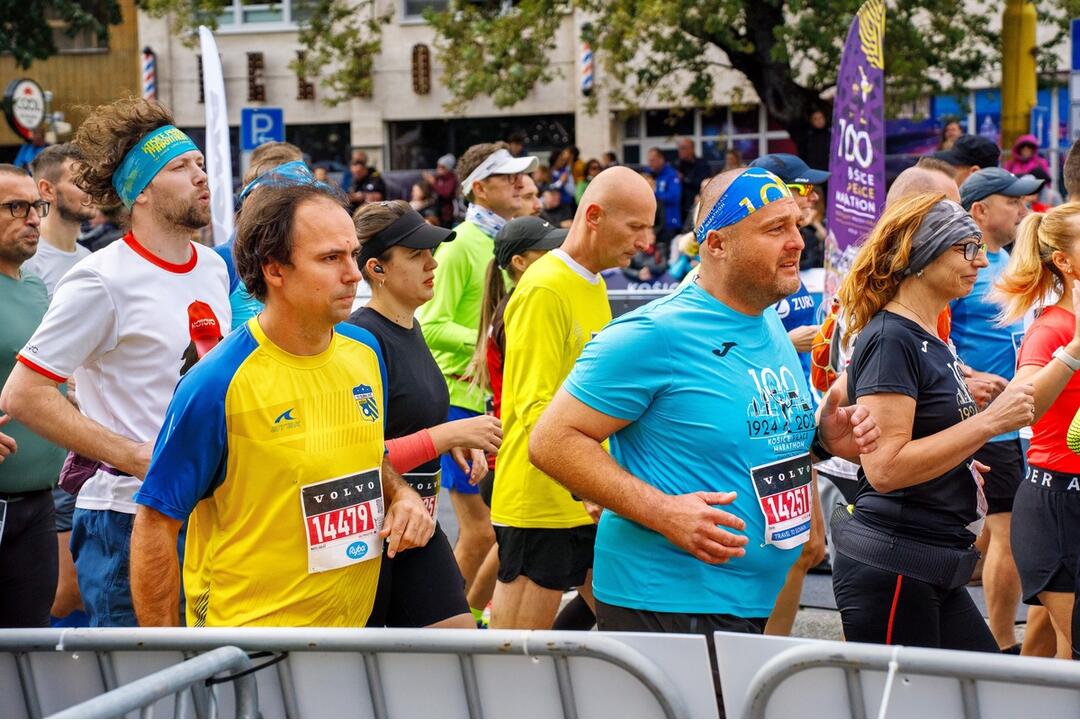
746,129
286,13
416,144
83,41
414,9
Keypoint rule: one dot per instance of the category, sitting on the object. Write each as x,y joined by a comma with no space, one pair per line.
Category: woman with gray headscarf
904,549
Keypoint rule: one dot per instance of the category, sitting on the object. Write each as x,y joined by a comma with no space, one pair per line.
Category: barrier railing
142,693
967,668
466,645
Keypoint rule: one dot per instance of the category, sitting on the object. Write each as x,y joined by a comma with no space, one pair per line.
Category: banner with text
856,193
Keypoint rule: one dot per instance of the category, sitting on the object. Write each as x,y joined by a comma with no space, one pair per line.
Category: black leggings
28,560
877,606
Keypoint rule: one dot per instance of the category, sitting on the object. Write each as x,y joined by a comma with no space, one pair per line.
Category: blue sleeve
670,190
191,451
225,251
623,368
365,337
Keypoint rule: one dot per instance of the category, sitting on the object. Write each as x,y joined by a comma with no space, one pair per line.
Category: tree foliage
25,34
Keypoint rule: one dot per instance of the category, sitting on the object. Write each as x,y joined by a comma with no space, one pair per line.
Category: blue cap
996,181
790,168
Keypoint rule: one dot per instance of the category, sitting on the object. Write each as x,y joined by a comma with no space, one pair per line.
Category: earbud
378,268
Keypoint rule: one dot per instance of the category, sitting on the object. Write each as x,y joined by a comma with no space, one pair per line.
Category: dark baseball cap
790,168
374,184
996,181
523,234
971,150
410,231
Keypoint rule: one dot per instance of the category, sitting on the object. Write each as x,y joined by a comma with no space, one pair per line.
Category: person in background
320,173
816,140
562,175
553,209
445,184
1025,159
733,160
949,134
812,228
592,169
359,175
688,257
968,154
668,192
610,159
107,226
530,198
647,265
516,143
421,196
374,189
693,171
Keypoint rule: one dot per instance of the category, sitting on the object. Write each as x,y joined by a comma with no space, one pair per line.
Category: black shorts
487,486
419,587
1045,532
1006,461
65,508
556,559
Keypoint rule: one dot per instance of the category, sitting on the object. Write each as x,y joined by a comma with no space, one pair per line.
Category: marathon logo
159,143
341,493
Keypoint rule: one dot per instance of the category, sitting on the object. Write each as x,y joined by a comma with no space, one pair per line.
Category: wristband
818,450
1063,355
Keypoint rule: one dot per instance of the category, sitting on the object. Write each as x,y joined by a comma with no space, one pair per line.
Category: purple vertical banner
856,194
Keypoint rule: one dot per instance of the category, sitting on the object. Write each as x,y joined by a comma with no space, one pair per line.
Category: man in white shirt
58,252
159,303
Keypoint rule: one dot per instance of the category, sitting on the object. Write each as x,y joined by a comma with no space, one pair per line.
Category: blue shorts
453,479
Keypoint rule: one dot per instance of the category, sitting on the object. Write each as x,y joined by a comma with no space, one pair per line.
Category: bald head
917,179
617,189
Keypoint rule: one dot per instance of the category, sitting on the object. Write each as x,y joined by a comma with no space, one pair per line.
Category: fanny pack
942,566
77,469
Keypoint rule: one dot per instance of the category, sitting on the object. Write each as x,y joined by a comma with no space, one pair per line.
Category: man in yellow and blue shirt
273,449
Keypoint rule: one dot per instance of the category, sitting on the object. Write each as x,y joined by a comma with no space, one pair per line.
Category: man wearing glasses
492,186
29,464
995,199
159,303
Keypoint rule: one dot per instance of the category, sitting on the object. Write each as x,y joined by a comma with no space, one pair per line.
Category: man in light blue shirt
704,401
995,199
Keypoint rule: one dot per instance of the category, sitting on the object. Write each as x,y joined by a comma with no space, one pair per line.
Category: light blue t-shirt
244,305
711,393
979,342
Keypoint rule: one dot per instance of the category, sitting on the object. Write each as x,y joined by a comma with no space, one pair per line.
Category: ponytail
1031,277
494,292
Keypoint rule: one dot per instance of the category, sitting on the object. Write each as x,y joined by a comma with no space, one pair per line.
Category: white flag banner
218,155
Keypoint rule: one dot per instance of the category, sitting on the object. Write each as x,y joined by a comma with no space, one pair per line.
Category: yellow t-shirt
553,312
276,458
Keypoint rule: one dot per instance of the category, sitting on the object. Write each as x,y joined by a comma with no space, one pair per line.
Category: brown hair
476,155
265,228
371,219
1071,171
878,269
106,136
929,162
49,163
268,156
495,291
1031,275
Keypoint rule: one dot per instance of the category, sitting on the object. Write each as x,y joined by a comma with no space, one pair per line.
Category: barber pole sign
149,74
586,69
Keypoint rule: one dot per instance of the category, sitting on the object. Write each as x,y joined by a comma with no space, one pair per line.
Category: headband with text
146,159
752,190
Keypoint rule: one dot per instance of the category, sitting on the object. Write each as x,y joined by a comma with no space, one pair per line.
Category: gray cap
996,181
447,161
523,234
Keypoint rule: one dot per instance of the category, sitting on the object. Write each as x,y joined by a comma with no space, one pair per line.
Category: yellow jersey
275,461
556,308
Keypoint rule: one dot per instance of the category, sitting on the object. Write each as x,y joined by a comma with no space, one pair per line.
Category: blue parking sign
261,125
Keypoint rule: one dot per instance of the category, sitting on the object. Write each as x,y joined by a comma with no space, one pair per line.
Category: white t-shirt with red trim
128,325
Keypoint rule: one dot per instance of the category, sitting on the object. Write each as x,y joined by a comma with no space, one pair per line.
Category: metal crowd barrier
142,693
332,672
898,681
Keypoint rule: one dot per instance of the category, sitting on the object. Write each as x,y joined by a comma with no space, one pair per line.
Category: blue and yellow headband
752,190
146,159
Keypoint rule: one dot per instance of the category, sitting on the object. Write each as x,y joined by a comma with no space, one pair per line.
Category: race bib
427,486
342,520
975,527
785,499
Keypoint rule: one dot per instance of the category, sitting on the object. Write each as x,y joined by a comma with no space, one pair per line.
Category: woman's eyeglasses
971,249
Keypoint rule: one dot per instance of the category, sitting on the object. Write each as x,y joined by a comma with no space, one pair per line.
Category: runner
702,398
492,185
159,303
904,550
545,534
29,464
520,243
1045,529
274,452
421,587
994,197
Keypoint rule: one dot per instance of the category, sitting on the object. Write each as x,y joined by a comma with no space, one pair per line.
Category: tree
25,35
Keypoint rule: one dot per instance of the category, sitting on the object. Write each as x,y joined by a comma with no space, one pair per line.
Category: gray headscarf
945,225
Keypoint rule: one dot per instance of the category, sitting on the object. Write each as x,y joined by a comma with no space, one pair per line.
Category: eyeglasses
801,189
971,249
21,208
511,178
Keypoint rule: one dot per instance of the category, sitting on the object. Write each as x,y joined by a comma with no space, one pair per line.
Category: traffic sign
1039,125
261,125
